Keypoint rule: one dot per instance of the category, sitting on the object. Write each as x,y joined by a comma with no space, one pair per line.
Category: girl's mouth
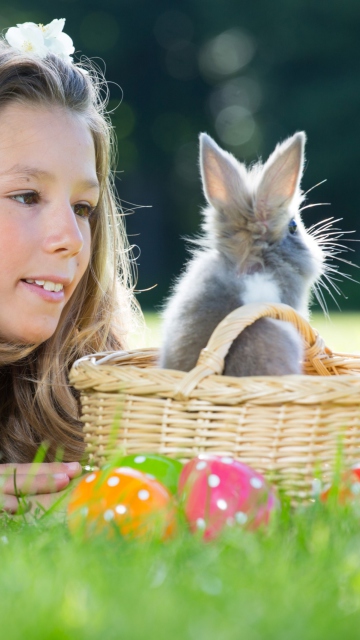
46,289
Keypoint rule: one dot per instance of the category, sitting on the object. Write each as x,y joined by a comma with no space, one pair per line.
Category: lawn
297,580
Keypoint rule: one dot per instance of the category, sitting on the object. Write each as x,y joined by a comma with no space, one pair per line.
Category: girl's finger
27,484
72,469
10,504
46,501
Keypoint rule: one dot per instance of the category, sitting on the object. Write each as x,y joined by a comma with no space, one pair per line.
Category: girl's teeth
47,285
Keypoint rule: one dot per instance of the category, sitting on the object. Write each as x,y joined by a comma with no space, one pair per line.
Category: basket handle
212,357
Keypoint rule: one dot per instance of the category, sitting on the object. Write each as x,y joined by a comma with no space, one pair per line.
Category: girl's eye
84,210
292,226
31,197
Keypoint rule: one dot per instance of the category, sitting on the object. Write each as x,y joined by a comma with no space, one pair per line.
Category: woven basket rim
214,389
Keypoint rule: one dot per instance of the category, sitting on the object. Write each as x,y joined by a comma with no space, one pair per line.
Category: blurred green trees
248,73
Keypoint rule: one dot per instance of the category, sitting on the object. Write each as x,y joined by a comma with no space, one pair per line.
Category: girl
65,286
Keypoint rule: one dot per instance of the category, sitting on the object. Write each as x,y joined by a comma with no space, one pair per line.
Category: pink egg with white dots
219,491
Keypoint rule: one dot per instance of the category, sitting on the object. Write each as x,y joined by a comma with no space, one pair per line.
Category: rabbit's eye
292,226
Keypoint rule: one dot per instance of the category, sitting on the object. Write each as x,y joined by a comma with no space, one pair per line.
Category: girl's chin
35,339
27,337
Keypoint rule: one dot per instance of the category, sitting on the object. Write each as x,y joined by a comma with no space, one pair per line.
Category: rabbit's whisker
331,244
333,285
340,273
314,187
351,264
316,224
335,279
330,231
333,253
317,204
331,239
334,235
324,286
328,222
321,300
330,250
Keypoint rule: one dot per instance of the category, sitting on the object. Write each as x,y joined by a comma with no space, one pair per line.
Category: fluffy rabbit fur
254,249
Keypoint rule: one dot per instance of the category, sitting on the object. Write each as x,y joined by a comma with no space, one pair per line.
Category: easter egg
121,499
348,489
217,492
165,470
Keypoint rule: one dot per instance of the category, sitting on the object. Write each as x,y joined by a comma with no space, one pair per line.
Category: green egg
165,470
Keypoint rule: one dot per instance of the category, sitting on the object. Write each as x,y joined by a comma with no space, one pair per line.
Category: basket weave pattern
288,427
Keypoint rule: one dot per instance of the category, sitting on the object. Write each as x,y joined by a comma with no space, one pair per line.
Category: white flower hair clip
39,39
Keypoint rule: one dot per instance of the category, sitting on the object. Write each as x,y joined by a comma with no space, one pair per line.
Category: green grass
341,331
297,580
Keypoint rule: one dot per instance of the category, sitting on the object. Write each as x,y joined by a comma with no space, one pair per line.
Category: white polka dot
227,460
200,523
120,508
201,465
222,504
84,511
139,459
91,477
355,488
128,471
149,475
213,480
241,517
256,483
113,481
143,494
108,515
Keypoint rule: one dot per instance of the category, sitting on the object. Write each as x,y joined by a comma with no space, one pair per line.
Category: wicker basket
288,427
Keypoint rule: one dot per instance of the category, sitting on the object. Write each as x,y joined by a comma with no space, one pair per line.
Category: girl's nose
62,232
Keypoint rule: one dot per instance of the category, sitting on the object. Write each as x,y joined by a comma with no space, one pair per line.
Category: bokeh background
248,73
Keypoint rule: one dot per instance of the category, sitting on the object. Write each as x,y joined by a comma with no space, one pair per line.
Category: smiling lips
46,284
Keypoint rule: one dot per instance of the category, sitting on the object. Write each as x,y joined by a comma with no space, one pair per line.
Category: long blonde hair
36,403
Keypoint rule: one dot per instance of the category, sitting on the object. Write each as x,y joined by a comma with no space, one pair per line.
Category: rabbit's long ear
281,176
221,174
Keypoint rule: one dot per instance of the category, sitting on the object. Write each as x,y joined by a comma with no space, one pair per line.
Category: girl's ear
221,174
281,175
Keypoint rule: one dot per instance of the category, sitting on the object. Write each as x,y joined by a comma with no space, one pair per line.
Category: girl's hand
38,480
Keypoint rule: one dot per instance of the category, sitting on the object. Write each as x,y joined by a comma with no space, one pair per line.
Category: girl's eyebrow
34,172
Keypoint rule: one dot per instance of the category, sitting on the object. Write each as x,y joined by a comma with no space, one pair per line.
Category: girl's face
48,188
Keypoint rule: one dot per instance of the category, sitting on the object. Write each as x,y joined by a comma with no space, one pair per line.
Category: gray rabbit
254,249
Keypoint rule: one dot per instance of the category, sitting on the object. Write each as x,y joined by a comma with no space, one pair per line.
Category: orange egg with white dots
121,500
